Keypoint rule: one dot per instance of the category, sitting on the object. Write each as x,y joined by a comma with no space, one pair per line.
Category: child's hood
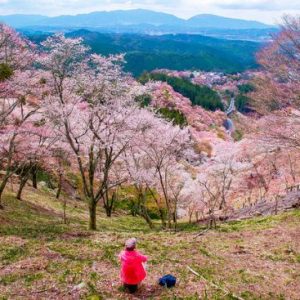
128,256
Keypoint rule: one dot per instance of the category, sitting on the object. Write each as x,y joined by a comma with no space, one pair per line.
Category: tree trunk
92,210
34,177
190,217
1,205
197,216
133,208
21,187
166,199
175,220
65,211
1,192
223,201
59,186
144,214
160,210
11,184
169,220
143,210
2,187
161,214
108,211
212,222
109,203
276,205
162,218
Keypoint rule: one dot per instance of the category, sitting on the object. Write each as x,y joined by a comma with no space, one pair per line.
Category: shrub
173,115
242,102
246,88
143,100
5,71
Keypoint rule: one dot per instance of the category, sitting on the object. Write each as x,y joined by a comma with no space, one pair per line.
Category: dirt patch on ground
24,266
12,240
71,235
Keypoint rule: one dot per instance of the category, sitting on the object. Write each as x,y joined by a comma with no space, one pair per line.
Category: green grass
207,272
30,278
12,254
205,252
7,279
250,258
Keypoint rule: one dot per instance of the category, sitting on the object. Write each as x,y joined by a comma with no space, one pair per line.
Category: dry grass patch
41,258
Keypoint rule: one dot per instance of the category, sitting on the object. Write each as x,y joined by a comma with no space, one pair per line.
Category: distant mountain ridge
213,21
19,20
115,18
128,18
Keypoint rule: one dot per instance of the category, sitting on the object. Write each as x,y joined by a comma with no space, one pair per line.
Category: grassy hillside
42,258
176,52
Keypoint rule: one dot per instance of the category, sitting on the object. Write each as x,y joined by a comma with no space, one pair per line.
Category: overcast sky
268,11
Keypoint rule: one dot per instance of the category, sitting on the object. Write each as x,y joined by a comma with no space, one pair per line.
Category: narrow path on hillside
228,124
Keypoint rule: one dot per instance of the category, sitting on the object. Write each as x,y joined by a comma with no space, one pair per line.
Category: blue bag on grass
167,280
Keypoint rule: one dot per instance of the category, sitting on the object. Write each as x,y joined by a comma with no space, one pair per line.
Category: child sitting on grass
132,269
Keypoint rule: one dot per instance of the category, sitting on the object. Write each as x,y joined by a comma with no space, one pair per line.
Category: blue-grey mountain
127,18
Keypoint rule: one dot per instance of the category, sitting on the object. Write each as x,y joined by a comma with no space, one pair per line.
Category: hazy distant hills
212,21
20,21
137,21
114,18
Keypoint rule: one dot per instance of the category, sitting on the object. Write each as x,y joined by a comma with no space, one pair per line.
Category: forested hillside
176,52
199,95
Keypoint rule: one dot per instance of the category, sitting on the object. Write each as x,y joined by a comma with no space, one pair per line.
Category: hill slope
176,52
42,258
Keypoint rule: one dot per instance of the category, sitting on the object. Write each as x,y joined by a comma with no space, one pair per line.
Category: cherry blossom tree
14,144
15,51
17,110
16,56
156,166
141,176
164,154
273,168
220,179
178,184
278,86
276,98
91,106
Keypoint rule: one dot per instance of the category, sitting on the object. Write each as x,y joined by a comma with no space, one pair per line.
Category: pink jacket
132,270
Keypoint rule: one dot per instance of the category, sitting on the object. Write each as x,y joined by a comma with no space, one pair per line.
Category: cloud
259,4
